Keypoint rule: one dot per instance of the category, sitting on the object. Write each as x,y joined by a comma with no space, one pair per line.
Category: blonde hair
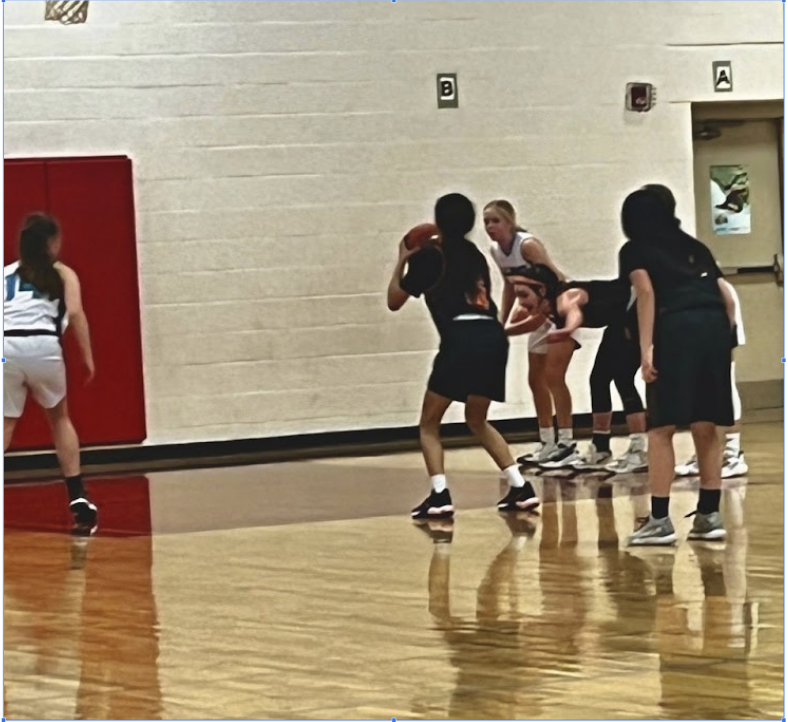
506,211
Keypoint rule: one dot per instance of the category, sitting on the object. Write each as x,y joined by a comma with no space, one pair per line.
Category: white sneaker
633,462
592,459
734,465
689,469
538,455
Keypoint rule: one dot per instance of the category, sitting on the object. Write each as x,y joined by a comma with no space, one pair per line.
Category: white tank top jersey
740,338
514,259
25,308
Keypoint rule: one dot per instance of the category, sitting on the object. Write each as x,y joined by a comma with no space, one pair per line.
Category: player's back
26,308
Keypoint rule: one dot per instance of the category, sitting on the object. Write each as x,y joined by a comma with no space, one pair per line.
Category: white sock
637,442
732,444
514,477
547,436
518,543
566,435
438,483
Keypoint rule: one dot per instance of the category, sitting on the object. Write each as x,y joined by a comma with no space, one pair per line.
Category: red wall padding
93,198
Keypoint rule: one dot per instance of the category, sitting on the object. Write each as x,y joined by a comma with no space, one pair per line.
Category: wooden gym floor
303,591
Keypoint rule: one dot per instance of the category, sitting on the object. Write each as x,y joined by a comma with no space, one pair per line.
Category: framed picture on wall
730,200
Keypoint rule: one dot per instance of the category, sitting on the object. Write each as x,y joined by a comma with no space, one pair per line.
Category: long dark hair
455,216
664,194
36,265
647,217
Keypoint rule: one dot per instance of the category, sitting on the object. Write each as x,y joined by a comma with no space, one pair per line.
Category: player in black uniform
686,316
470,366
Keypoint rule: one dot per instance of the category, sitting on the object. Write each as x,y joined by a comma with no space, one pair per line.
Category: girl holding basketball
39,291
470,366
512,248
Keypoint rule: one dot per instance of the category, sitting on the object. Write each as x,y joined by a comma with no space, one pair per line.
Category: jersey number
11,288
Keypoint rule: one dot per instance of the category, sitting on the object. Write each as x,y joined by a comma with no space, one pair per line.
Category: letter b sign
447,91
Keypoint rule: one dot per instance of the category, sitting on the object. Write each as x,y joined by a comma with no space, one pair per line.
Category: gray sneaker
655,532
706,527
565,454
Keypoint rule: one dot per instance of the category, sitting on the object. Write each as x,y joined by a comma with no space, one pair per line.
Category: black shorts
471,361
692,356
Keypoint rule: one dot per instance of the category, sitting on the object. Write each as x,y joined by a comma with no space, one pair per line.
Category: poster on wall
730,200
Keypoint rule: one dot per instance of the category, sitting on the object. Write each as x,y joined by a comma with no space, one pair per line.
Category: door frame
773,110
756,395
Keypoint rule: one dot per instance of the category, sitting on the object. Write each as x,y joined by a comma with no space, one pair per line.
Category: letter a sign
723,76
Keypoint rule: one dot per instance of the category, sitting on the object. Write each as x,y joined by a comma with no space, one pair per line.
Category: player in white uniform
733,461
38,292
513,248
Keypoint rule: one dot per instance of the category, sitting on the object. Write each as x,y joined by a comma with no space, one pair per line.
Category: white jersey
25,308
507,262
740,338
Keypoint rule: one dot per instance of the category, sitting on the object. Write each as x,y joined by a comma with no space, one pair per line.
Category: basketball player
685,316
511,248
39,292
593,304
470,366
733,462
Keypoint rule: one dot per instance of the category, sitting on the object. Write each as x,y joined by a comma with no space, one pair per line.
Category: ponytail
36,265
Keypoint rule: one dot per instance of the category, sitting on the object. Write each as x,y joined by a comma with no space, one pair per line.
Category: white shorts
537,340
32,363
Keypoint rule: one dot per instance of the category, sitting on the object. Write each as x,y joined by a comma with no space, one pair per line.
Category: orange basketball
425,234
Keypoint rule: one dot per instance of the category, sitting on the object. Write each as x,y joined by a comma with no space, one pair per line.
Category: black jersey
455,280
608,301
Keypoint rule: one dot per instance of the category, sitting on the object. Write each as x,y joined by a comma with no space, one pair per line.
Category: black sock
601,440
713,581
663,581
709,501
659,506
75,488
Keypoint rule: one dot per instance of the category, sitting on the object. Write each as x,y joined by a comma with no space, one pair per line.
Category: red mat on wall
93,198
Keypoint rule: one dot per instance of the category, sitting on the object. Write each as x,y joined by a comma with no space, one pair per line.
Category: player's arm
396,296
727,299
507,301
523,322
77,319
646,310
569,306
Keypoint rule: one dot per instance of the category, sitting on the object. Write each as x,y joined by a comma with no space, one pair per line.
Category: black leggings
617,360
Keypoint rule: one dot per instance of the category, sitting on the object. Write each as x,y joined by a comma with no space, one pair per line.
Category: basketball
425,234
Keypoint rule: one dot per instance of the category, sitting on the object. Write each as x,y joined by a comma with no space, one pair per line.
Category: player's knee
601,401
536,381
429,424
476,420
555,379
632,402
